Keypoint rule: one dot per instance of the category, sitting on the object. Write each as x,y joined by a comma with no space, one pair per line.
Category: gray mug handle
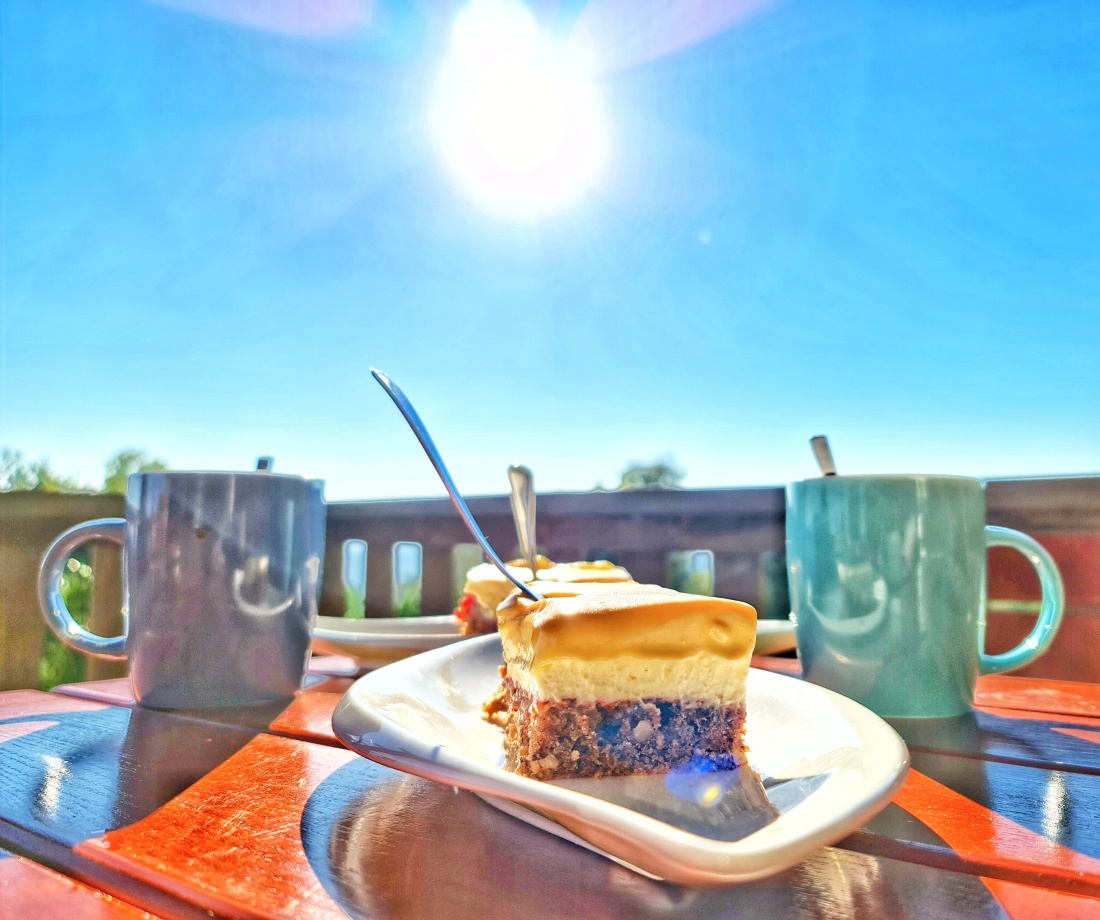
51,602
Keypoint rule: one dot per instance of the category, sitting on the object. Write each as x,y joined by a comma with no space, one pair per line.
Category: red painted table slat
28,890
115,691
1029,693
979,836
1026,902
309,718
231,842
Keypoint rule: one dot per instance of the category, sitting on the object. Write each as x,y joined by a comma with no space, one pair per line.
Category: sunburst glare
516,115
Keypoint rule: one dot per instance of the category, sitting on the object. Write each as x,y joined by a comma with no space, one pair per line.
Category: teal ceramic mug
888,587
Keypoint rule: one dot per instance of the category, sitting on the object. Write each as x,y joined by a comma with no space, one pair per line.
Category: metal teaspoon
824,456
523,510
406,409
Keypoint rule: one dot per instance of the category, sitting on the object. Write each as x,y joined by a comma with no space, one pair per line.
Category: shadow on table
73,775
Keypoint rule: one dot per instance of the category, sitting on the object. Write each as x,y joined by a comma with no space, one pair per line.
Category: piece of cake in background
486,588
610,680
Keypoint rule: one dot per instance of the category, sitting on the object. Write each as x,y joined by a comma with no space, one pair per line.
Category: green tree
661,474
126,462
17,474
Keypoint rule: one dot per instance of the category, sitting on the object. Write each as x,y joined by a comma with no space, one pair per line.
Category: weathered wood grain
309,718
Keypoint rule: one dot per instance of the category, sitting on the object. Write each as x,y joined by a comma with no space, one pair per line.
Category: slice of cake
621,679
486,587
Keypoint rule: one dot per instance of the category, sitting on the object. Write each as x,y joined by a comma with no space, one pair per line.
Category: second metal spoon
823,455
523,510
406,409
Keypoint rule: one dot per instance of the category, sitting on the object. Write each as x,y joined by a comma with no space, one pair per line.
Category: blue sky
880,221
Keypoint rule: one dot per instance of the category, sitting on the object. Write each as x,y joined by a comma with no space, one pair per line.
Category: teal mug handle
1050,614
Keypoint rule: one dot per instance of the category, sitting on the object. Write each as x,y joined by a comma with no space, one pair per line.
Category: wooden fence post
106,614
21,626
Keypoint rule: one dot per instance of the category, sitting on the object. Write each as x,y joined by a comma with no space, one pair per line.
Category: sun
516,116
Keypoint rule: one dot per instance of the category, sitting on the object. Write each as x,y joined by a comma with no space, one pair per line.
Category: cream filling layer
704,676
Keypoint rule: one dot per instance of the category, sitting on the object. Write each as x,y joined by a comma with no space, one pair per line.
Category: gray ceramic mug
221,574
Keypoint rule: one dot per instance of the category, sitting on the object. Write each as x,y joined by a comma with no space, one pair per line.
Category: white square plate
823,766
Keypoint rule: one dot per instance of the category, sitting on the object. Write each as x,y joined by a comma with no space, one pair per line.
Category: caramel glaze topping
599,565
594,622
541,562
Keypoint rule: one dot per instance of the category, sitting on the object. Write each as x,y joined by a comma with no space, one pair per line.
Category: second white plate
774,636
380,641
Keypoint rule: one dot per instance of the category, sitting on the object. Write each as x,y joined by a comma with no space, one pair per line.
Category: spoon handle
523,510
820,445
406,409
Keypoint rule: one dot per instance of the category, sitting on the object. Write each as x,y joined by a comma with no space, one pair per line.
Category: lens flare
516,116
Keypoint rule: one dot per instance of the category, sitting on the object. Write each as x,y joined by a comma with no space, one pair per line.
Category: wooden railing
743,528
29,523
737,533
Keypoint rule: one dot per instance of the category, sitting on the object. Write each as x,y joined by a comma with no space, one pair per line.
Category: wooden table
109,811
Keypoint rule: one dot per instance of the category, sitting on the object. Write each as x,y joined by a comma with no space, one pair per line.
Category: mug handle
1050,614
52,603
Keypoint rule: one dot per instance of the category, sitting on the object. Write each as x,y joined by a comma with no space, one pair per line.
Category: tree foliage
126,462
60,664
663,473
18,474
